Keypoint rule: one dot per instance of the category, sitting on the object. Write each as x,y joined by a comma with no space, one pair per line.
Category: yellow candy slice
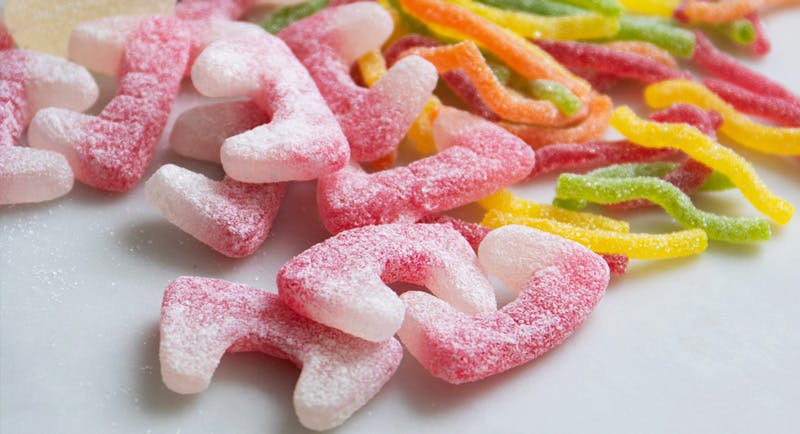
635,246
45,25
705,150
772,140
662,8
506,202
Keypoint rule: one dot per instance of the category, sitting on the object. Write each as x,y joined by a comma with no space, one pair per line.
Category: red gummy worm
474,233
761,46
607,60
691,174
457,81
725,67
593,154
768,107
600,81
6,40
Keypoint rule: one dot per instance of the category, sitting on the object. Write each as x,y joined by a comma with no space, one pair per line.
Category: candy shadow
152,393
161,242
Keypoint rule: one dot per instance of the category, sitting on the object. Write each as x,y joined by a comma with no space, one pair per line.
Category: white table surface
707,344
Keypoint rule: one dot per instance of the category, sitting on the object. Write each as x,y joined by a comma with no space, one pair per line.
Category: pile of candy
321,87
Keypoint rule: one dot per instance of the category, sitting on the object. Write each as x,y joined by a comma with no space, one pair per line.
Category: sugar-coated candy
646,49
761,46
287,15
31,81
634,245
477,158
610,61
724,11
342,282
223,9
202,318
466,57
232,217
725,67
32,175
302,141
689,176
670,198
559,283
45,25
591,128
200,131
111,151
6,40
772,108
374,120
523,57
705,150
592,154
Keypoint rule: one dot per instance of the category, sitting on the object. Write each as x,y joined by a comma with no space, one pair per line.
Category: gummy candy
32,175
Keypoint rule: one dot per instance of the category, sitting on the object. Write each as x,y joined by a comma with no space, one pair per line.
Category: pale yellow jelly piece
45,25
705,150
771,140
507,202
372,67
635,246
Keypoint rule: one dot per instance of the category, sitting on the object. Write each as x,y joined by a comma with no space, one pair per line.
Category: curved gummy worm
232,217
771,140
375,119
670,198
665,170
31,81
549,8
646,49
676,40
559,283
201,319
466,57
768,107
111,151
200,131
32,175
706,151
341,282
724,11
662,8
521,56
592,154
507,202
610,61
688,177
477,159
590,128
761,46
634,245
586,26
302,141
725,67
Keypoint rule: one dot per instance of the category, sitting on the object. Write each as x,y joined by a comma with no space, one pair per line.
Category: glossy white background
706,344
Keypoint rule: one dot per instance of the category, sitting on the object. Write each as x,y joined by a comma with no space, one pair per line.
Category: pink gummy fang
111,151
609,61
302,141
559,283
374,120
341,282
201,319
727,68
232,217
477,159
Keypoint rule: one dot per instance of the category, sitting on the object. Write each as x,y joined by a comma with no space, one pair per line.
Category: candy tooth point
30,175
59,130
226,68
359,28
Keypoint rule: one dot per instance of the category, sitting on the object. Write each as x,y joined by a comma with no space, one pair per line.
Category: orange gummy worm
725,11
523,57
646,49
467,57
591,128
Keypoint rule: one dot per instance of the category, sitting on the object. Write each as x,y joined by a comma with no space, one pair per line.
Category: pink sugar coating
707,121
569,156
622,64
302,141
341,282
112,151
208,9
232,217
772,108
725,67
374,120
478,158
14,113
199,132
761,46
600,81
6,40
203,318
559,284
32,175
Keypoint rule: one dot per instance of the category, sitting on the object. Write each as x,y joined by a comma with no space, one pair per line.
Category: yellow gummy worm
373,68
506,202
635,246
570,27
772,140
662,8
705,150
